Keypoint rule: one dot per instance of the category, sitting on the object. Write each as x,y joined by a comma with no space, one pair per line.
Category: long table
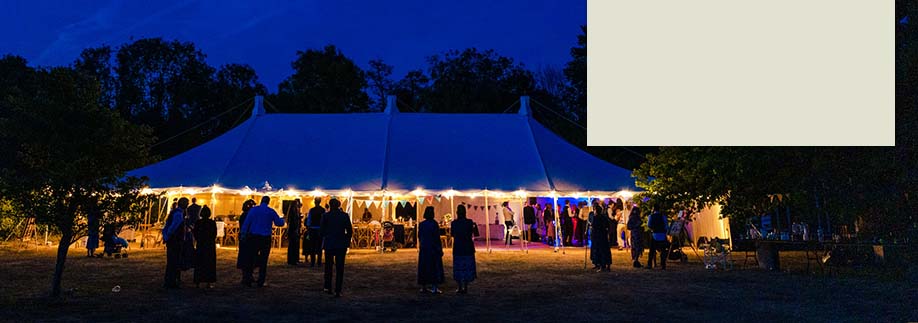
496,231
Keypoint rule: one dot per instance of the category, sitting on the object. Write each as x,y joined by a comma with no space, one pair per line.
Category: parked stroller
114,245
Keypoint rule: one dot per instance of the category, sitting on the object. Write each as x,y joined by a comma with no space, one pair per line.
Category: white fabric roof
397,152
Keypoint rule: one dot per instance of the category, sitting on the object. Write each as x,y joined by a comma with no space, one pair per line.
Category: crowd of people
601,226
190,238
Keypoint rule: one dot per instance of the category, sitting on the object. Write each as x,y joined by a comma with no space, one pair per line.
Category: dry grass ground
512,286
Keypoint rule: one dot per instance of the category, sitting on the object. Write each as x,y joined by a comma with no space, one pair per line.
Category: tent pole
379,233
350,206
382,219
146,219
523,246
417,223
559,240
488,221
452,210
146,222
586,232
554,198
163,210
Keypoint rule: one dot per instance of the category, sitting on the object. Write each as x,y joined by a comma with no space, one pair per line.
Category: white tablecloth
221,226
496,230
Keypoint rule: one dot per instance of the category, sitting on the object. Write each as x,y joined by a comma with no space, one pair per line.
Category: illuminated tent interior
385,161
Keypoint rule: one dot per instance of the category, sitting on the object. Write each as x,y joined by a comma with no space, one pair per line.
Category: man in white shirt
622,227
509,221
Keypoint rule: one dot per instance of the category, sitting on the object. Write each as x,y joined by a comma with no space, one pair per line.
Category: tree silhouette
323,81
65,155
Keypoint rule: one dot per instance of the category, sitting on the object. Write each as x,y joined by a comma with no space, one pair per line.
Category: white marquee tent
388,156
393,152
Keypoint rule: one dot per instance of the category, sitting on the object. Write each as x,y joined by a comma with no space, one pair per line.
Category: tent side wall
708,223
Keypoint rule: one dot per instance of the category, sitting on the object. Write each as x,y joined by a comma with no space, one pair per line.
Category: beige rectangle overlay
735,72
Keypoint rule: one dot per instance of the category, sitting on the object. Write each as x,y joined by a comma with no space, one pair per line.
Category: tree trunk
62,248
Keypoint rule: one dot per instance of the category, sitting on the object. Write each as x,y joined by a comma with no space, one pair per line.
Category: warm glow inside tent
378,162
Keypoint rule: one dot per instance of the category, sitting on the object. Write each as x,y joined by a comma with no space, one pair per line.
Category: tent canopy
391,151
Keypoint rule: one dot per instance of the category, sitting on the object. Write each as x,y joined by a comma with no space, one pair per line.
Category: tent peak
259,108
524,106
391,107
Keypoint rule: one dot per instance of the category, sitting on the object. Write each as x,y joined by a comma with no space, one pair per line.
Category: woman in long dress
430,256
600,248
548,215
635,226
92,241
205,262
464,270
240,261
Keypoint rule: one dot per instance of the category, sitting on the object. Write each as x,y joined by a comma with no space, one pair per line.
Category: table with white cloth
496,231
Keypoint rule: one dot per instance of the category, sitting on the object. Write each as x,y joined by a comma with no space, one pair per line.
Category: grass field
512,286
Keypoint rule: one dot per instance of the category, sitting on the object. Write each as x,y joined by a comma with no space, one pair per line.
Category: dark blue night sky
267,34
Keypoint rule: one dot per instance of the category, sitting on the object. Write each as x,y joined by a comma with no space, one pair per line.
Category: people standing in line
636,228
294,223
464,268
567,223
508,215
174,235
600,250
257,231
205,262
92,240
336,233
430,255
241,251
548,215
658,242
312,244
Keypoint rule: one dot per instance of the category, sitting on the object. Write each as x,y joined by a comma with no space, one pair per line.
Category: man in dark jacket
174,235
336,238
312,244
193,214
567,226
658,227
548,216
529,218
